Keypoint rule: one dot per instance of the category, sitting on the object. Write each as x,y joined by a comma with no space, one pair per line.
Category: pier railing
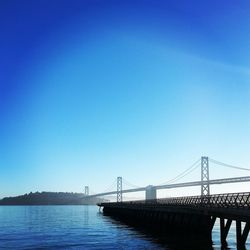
230,200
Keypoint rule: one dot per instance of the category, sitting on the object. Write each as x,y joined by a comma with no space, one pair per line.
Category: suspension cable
129,183
228,165
109,187
190,169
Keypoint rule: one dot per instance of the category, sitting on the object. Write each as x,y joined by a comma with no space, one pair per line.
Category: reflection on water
83,227
166,240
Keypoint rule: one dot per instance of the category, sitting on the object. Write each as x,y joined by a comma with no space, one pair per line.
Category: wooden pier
194,215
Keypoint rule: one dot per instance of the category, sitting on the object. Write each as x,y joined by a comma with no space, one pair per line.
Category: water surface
80,227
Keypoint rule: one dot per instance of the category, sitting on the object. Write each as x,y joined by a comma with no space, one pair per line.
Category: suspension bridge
193,214
151,190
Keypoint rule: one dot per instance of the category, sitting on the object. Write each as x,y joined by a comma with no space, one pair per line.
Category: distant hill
50,198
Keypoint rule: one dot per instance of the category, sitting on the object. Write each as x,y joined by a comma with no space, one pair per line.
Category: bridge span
178,185
151,190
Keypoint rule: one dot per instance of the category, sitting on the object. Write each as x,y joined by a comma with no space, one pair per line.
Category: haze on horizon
91,90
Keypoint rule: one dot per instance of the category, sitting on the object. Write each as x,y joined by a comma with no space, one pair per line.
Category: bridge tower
119,189
205,190
86,190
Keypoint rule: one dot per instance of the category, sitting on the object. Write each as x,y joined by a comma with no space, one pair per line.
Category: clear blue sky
92,90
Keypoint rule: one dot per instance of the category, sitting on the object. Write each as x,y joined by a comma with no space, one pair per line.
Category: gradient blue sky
92,90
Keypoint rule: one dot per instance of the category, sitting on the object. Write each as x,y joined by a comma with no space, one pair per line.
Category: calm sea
80,227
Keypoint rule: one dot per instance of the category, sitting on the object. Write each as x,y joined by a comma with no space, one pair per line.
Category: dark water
79,227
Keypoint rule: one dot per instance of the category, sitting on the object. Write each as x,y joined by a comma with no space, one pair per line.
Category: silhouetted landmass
50,198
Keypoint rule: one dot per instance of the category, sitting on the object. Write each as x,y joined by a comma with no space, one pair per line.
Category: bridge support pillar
86,191
119,189
205,190
241,237
213,219
151,193
224,229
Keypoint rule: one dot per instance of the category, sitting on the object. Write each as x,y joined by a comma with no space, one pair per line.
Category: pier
194,215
